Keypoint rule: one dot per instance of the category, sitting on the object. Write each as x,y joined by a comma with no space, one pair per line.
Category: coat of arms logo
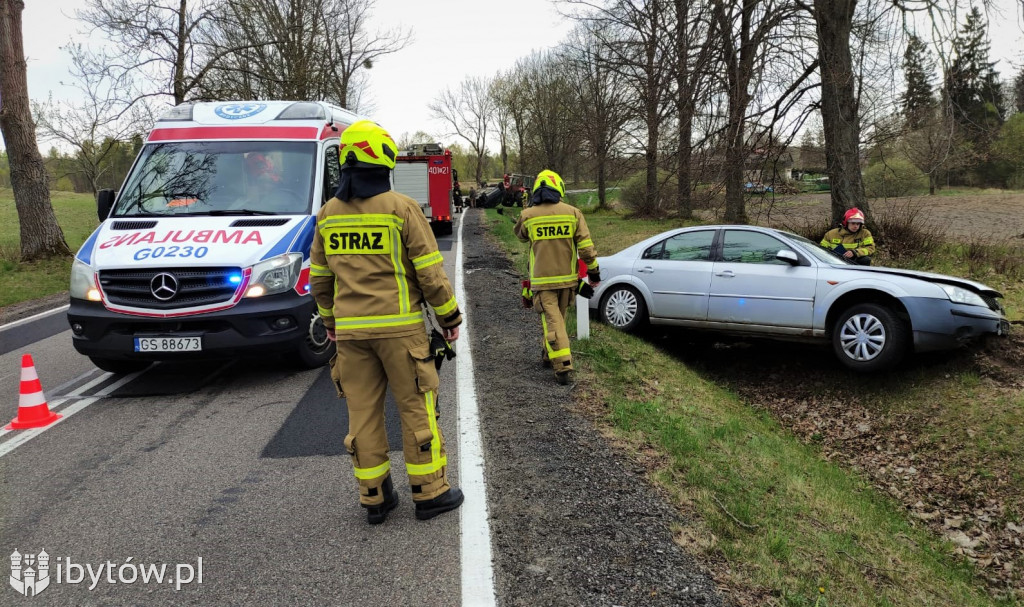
30,573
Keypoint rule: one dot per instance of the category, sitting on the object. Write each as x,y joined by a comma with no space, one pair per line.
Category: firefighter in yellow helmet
374,264
558,234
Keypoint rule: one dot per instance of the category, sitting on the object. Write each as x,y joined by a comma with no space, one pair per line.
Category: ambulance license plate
168,344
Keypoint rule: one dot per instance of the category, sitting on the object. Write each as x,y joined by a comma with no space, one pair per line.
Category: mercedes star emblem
164,286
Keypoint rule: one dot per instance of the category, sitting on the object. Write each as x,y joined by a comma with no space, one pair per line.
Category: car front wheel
870,337
623,308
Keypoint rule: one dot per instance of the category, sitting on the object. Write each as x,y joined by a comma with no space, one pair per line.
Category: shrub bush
901,230
893,178
634,190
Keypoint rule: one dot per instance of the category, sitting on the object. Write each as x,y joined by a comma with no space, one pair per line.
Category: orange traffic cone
33,412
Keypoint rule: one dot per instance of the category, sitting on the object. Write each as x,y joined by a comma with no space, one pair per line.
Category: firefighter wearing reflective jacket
858,245
558,234
374,263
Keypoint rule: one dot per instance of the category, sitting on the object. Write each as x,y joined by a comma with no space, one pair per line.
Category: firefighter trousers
552,306
366,368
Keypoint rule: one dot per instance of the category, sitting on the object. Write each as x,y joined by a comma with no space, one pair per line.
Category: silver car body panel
778,300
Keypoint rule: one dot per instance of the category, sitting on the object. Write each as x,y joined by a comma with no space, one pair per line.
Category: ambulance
204,251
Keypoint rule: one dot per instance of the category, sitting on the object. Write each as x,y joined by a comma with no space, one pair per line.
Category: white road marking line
477,570
26,435
18,323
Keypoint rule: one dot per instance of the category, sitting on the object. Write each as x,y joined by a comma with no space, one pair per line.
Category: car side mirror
104,202
788,256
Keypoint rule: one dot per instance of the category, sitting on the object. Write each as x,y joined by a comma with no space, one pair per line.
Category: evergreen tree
972,84
1018,92
918,71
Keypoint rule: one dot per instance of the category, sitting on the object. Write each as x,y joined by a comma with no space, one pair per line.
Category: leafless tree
935,146
502,92
468,111
96,122
745,30
165,43
41,235
638,49
545,90
599,107
298,49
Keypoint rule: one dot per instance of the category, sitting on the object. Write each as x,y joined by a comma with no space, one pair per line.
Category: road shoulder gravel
573,522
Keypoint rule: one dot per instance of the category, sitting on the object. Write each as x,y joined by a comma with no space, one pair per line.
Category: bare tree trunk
179,60
602,181
839,111
684,173
735,158
41,235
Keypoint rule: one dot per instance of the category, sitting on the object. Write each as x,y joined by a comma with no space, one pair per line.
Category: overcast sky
454,39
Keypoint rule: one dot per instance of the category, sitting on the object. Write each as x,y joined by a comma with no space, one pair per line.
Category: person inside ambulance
558,234
265,189
374,265
851,241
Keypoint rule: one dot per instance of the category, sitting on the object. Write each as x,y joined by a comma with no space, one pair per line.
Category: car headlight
963,296
275,275
83,282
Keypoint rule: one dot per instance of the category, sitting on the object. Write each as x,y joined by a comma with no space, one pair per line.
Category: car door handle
646,270
726,274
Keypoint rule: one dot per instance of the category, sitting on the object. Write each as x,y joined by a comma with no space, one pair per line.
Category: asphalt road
241,464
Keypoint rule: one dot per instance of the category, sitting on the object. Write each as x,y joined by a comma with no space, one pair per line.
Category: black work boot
449,500
377,514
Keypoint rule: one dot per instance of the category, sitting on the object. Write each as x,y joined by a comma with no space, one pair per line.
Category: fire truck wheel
316,350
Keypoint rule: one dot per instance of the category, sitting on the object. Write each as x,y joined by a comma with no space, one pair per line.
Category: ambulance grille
133,225
258,223
195,287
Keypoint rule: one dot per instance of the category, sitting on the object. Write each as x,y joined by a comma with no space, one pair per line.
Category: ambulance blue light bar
235,279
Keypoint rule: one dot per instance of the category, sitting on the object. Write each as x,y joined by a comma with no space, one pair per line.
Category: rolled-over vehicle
758,281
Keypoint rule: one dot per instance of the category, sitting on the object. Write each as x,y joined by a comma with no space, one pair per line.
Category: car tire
317,349
623,308
119,366
870,337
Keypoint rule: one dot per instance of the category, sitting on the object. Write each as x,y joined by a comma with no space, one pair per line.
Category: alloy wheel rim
862,337
621,308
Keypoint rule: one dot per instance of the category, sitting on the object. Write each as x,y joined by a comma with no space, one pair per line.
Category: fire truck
424,173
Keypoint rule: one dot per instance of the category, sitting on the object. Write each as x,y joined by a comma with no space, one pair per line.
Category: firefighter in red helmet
852,241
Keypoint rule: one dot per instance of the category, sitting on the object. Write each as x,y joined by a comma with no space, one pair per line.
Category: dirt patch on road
989,217
954,460
25,309
573,521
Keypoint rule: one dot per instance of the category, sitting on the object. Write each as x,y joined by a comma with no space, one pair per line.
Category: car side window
744,246
689,246
654,252
332,172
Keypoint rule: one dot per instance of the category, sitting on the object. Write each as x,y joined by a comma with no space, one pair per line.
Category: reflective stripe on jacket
557,233
373,264
862,242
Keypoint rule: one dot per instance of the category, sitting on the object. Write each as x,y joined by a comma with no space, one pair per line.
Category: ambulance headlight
275,275
83,282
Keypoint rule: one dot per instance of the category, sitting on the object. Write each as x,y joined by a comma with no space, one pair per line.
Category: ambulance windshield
220,178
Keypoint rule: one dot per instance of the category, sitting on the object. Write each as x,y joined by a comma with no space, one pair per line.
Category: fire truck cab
204,251
424,172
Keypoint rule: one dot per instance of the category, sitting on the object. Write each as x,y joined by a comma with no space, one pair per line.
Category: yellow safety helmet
551,180
366,143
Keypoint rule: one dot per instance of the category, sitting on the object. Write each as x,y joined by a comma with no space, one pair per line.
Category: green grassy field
768,509
19,281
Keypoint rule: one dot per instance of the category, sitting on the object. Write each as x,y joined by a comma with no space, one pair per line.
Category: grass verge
775,521
76,214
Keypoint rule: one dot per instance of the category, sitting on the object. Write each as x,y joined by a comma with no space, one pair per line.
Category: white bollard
582,318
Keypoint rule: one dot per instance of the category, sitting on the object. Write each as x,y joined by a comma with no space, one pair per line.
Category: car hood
971,285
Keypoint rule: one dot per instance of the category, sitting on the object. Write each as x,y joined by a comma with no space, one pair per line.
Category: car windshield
220,178
817,251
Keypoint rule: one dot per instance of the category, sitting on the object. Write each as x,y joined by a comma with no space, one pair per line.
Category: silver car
758,281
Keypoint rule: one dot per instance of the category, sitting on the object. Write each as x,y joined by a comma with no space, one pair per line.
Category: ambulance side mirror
104,202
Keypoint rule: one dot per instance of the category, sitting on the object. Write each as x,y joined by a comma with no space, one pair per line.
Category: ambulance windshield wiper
217,212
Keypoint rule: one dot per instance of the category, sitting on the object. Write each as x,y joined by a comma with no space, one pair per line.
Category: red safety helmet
853,214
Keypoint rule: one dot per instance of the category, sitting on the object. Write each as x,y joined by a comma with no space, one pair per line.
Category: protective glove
440,348
584,289
594,275
527,294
